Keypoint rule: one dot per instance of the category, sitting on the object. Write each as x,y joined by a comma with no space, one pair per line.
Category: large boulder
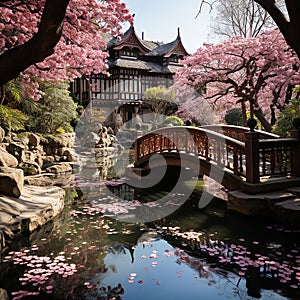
11,181
36,206
6,159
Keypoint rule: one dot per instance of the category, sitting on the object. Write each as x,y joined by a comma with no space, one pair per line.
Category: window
127,52
173,58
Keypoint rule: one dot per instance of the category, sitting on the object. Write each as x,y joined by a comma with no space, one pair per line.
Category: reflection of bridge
248,159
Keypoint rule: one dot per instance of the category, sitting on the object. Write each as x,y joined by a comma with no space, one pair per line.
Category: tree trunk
244,114
264,122
40,46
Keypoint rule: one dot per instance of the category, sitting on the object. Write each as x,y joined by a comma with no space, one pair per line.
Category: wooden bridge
249,159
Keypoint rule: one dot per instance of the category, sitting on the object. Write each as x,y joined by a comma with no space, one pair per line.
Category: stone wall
35,153
28,153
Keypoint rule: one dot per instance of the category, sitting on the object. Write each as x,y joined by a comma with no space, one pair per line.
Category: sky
159,20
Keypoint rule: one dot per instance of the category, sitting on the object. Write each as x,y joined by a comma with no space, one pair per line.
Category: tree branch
289,28
40,46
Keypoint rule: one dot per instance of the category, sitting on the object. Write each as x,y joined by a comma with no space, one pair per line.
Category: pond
97,250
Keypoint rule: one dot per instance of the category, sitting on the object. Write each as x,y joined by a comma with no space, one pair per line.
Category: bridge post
296,135
252,153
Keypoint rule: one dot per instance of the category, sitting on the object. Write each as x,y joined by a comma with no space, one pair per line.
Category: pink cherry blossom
82,47
255,71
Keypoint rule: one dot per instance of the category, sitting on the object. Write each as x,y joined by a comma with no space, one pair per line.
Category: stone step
288,211
270,184
257,204
294,190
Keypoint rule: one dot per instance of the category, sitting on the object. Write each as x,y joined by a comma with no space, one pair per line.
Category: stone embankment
281,205
28,163
23,207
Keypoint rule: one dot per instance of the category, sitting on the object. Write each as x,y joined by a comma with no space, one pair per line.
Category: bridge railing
255,157
238,132
212,146
271,157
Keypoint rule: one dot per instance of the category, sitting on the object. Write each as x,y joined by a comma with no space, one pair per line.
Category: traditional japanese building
135,64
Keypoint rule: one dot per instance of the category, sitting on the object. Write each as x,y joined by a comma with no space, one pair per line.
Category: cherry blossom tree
256,72
196,109
56,39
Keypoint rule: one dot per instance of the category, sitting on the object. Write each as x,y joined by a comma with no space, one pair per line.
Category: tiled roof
155,48
150,44
163,49
142,65
129,63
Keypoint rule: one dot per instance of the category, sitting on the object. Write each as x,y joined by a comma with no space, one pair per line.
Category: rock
34,140
110,131
294,190
3,294
47,161
52,142
29,156
38,158
30,168
34,208
22,138
50,150
65,140
7,160
11,181
7,139
59,168
68,153
39,181
70,137
2,135
17,150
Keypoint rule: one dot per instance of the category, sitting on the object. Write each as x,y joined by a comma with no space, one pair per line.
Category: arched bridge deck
244,157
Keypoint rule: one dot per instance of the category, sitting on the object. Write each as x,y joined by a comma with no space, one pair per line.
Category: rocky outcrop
24,208
6,159
11,181
34,153
105,139
34,208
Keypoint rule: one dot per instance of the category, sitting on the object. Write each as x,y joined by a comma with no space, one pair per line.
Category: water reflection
89,254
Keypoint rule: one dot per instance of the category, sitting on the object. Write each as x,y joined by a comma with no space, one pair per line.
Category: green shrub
12,119
173,120
284,122
234,116
53,112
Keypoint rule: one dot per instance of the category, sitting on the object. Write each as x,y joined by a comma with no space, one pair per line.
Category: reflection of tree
262,269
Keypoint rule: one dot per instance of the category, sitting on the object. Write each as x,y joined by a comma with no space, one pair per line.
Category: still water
193,253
